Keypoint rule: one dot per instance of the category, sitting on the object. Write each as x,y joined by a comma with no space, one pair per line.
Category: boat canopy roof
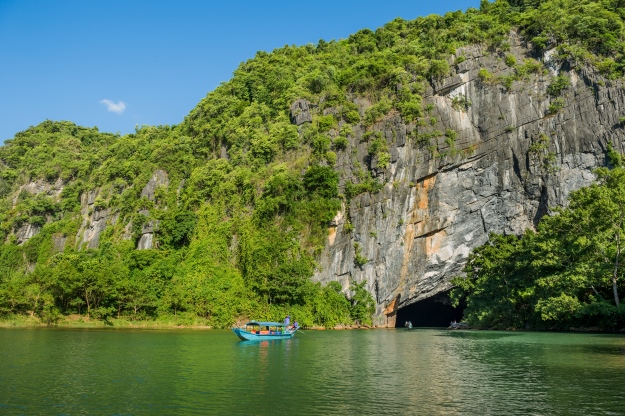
265,323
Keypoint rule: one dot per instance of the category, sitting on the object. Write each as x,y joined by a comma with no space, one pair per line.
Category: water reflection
326,372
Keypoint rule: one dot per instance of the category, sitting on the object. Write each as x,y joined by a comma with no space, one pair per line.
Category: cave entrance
435,311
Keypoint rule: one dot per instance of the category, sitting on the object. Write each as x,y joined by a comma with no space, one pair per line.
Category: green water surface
372,372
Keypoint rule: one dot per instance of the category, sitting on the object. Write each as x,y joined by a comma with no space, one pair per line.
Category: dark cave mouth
432,312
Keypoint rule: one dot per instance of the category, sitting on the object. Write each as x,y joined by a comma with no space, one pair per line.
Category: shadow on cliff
431,312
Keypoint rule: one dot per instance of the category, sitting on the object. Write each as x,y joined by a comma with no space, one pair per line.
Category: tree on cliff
524,4
569,272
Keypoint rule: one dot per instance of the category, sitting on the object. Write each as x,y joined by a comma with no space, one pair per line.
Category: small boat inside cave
433,312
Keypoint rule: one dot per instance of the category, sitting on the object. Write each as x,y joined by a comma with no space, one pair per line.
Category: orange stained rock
408,239
423,188
416,225
433,242
418,212
418,229
391,307
331,235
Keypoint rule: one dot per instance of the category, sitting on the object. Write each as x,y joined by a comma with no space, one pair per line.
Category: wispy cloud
115,107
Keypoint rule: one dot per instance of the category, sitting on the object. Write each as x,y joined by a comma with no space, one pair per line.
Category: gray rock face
146,241
159,178
41,186
26,232
95,220
58,242
93,227
300,112
91,196
88,235
443,197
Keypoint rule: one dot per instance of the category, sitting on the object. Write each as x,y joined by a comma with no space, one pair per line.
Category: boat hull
248,336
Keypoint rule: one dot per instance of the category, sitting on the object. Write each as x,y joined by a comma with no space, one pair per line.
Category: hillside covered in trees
224,216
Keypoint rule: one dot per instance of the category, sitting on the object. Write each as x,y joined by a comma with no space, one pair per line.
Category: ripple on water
326,372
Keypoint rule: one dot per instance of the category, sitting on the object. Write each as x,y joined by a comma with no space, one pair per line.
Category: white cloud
115,107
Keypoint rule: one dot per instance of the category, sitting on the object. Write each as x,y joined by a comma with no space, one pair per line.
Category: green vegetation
540,150
558,85
450,141
510,60
555,106
379,148
568,273
362,304
461,102
239,236
359,259
485,76
377,111
521,72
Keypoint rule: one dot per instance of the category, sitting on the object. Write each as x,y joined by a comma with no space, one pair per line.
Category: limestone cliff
96,218
506,162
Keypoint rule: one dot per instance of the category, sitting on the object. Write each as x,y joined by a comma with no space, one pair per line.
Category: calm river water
424,371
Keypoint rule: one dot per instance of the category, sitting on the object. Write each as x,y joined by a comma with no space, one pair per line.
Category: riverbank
78,321
83,322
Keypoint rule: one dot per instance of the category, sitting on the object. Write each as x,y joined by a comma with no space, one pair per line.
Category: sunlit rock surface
434,209
96,219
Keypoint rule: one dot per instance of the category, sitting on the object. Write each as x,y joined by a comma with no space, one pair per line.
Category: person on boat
295,325
287,321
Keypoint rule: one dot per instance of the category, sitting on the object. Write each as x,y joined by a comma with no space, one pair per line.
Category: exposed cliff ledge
442,200
95,218
27,230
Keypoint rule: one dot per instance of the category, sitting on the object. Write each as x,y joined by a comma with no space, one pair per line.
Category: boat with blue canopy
262,331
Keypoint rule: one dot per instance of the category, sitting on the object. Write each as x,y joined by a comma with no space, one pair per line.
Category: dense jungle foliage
568,273
237,236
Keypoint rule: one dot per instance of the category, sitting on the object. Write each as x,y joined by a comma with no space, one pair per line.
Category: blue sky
116,64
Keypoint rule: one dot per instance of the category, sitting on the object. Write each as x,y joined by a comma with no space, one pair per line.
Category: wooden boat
262,331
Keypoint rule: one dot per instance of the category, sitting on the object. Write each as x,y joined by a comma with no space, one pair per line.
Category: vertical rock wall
96,219
440,201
